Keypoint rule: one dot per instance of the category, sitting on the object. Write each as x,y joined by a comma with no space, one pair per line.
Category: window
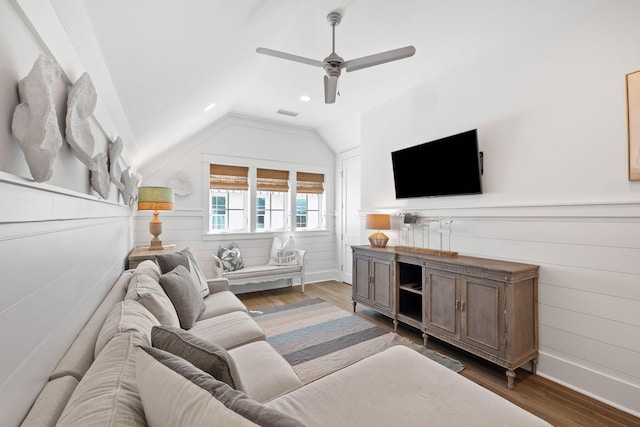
228,187
272,192
247,199
309,191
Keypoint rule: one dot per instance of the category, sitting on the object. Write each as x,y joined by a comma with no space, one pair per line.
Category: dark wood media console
486,307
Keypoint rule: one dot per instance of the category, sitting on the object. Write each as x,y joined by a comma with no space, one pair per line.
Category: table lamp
155,199
378,222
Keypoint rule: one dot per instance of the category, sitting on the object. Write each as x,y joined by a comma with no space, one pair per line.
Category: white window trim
250,207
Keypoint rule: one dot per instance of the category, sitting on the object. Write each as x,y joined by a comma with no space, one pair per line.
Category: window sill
254,235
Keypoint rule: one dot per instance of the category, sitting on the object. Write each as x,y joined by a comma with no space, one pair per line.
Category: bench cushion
262,270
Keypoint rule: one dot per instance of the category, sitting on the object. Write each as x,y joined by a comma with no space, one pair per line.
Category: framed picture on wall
633,124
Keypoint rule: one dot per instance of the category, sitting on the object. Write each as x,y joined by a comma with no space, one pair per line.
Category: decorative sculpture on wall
80,105
181,184
115,171
100,175
131,183
35,123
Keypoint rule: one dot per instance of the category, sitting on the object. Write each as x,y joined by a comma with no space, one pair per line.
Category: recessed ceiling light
305,98
209,107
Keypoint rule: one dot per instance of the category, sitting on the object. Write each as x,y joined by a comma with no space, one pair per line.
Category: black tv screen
444,167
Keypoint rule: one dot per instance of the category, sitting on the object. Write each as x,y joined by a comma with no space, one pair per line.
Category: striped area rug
317,338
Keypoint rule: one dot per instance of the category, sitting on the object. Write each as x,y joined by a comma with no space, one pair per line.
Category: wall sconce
155,199
378,222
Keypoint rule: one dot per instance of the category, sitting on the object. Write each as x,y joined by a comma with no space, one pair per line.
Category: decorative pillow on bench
283,252
230,257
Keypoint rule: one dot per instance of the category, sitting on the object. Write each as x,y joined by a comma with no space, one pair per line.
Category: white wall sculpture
35,123
181,184
100,175
131,182
115,171
80,105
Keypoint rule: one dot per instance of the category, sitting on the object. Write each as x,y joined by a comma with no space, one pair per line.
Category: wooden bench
264,273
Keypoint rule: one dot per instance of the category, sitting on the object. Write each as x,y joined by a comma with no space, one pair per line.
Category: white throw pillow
283,253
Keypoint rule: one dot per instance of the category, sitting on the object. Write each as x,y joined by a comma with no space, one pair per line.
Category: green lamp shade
155,199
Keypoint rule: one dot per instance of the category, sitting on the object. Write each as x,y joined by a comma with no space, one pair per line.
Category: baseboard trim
612,391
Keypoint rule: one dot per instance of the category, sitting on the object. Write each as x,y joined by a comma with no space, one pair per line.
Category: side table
142,253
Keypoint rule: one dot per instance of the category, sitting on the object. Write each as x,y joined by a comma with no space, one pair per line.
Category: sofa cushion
201,400
283,252
149,293
229,330
400,387
230,257
126,316
108,393
187,301
221,303
80,355
265,374
185,258
150,268
50,402
204,355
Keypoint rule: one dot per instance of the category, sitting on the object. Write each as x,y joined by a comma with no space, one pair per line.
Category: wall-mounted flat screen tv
444,167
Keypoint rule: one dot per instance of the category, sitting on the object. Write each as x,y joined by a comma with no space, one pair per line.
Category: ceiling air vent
287,112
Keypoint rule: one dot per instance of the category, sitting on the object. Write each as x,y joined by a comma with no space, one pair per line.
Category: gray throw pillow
204,355
186,258
179,287
197,388
230,257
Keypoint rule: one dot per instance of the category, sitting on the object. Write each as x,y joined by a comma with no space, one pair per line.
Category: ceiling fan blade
290,57
330,89
378,58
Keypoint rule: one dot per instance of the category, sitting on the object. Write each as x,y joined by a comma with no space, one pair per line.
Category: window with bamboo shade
225,177
271,199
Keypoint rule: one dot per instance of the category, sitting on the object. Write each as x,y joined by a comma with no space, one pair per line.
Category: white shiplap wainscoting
589,284
61,252
184,228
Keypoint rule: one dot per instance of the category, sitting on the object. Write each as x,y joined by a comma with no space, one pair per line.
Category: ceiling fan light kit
334,64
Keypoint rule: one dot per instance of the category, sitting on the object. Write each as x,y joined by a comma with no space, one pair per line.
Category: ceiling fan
333,64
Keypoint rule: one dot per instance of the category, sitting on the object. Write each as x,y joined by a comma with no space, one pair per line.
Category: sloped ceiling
159,63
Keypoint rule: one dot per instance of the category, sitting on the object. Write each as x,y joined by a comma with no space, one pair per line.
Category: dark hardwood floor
553,402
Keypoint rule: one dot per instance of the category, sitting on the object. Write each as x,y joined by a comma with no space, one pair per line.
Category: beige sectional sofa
113,375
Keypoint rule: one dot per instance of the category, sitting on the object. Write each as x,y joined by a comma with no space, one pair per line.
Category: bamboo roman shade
224,177
309,182
272,180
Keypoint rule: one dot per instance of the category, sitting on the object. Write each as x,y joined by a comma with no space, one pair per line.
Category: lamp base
155,228
378,240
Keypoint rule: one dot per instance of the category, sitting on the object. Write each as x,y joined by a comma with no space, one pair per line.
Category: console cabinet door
482,312
441,302
383,284
361,277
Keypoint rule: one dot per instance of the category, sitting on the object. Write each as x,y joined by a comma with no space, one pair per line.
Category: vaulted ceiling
158,63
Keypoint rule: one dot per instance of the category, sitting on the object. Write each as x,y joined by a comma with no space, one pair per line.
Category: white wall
549,106
256,141
61,246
